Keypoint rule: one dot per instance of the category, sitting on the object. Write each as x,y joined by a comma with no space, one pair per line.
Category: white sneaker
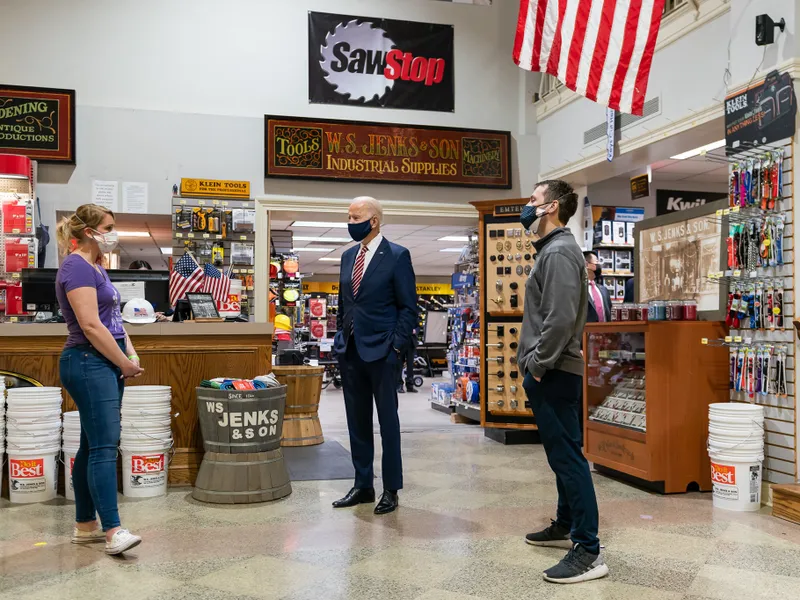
88,537
122,541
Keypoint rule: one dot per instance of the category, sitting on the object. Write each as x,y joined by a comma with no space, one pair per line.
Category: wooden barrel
301,426
241,421
242,478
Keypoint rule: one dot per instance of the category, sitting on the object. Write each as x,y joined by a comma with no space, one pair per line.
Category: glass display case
616,393
647,387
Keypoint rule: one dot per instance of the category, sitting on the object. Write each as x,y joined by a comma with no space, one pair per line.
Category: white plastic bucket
45,413
736,482
146,414
34,425
69,461
144,468
32,474
26,440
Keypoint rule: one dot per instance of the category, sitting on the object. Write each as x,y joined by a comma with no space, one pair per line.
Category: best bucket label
723,478
148,470
27,475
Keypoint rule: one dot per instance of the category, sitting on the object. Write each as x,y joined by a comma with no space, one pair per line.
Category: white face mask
106,241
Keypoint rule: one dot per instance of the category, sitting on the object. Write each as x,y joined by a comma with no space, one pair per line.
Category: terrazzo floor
458,535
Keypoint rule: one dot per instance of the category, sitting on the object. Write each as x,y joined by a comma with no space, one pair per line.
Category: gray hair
373,205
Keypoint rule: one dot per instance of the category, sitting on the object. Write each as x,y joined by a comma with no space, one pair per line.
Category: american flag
186,276
216,283
601,49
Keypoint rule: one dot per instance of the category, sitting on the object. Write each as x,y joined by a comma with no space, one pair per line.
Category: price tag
224,203
720,212
15,275
13,320
215,202
735,209
728,339
251,288
250,271
178,235
243,237
753,273
726,211
245,205
737,273
218,236
201,202
738,339
191,235
183,202
704,341
206,236
15,231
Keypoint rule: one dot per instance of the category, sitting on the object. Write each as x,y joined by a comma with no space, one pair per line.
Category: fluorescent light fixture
313,249
699,151
331,259
454,238
303,238
133,234
335,225
167,251
459,250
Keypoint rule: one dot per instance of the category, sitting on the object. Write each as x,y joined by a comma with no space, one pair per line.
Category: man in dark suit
377,313
599,298
629,295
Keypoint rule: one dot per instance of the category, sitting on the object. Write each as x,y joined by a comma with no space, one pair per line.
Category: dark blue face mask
358,231
527,216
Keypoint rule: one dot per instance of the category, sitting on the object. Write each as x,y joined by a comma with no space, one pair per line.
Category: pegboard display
509,260
505,395
759,272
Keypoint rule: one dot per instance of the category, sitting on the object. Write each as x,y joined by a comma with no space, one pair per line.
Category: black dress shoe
356,496
412,390
388,503
400,390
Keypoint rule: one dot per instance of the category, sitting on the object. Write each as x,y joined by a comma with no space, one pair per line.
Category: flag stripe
601,49
628,44
640,88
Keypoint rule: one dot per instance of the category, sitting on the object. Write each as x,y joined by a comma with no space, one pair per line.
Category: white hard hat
138,310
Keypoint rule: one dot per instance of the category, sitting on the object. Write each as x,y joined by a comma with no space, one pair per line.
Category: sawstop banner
326,150
361,61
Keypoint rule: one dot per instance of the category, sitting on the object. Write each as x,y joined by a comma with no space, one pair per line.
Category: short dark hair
140,264
556,189
589,253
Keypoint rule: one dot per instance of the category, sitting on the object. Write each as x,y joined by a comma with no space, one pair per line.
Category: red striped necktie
358,270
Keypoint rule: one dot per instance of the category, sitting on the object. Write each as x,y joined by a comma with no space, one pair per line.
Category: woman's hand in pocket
131,370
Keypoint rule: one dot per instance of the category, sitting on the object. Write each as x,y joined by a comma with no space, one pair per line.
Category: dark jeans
363,381
96,387
556,403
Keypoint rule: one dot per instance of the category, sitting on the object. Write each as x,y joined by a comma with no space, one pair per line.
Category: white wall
175,89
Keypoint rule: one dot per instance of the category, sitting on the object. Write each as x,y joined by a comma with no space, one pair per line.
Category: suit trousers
556,401
362,382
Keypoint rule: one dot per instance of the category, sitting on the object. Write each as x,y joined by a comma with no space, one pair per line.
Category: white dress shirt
372,248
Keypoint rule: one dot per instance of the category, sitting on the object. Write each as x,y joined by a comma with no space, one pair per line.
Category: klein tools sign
215,188
363,61
298,148
38,123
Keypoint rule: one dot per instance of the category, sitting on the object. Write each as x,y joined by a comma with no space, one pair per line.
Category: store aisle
416,414
458,535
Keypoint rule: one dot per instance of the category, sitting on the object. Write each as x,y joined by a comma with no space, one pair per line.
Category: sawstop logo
362,62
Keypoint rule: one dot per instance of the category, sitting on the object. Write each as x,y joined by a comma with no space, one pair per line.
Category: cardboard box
620,288
629,233
618,235
606,232
606,259
623,261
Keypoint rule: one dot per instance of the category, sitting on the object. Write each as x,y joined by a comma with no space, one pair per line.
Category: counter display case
647,387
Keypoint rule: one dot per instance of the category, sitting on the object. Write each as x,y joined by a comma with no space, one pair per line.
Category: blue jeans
556,402
96,387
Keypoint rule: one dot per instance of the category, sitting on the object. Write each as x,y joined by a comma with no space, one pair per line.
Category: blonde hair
72,227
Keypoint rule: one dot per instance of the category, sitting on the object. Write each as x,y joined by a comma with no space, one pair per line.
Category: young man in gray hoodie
556,300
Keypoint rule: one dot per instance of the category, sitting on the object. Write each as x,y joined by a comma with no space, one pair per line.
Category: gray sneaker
551,537
577,566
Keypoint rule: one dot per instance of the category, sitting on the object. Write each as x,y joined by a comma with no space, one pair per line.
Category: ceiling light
133,234
699,151
303,238
331,259
167,251
313,249
454,238
321,224
459,250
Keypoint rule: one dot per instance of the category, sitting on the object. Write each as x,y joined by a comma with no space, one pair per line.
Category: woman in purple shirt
96,360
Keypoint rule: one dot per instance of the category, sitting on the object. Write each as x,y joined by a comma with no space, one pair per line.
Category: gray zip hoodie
556,299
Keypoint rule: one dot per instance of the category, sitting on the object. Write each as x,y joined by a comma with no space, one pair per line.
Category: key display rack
758,274
506,259
219,232
18,244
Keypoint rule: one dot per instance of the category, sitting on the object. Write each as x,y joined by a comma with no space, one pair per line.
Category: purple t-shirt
75,273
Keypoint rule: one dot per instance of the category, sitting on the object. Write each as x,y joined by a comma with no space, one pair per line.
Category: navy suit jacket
591,314
383,315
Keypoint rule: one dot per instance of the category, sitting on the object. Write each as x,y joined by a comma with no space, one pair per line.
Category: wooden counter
180,355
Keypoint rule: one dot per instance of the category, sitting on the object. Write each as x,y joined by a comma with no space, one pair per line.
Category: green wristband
133,357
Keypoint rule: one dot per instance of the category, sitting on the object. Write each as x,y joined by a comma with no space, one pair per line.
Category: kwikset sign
386,153
671,201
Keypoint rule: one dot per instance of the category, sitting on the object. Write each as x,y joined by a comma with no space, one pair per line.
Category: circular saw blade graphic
363,36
